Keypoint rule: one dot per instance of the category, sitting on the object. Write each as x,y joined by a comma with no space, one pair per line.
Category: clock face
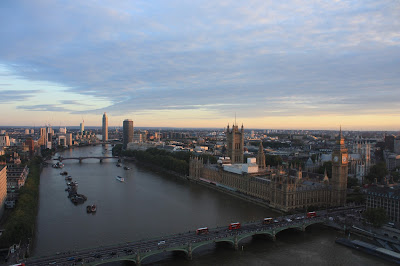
344,159
335,158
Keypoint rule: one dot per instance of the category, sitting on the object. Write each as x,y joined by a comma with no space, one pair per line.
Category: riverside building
105,127
283,188
127,132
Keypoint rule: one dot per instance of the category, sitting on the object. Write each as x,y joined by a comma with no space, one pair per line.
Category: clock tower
339,172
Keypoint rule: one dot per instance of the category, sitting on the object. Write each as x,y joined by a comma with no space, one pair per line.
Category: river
150,204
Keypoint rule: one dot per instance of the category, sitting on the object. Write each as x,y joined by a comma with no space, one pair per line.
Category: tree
116,150
377,172
273,160
377,216
328,167
352,182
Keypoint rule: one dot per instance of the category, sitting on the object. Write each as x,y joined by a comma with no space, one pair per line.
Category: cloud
252,57
10,96
43,107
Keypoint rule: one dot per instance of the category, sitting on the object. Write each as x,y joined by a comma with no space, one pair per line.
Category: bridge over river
186,242
80,159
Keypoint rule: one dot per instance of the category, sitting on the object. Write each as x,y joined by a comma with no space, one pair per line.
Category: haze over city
312,65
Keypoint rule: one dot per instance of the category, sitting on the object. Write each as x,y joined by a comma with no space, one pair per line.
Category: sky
274,64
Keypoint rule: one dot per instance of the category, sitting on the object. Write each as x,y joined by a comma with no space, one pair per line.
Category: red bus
311,214
267,220
201,231
234,226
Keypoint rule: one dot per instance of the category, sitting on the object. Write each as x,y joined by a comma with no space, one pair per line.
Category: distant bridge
185,243
101,158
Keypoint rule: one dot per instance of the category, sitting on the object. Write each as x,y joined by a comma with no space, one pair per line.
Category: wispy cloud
10,96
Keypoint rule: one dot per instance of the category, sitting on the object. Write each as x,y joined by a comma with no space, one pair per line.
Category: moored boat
64,173
91,208
58,165
126,168
120,178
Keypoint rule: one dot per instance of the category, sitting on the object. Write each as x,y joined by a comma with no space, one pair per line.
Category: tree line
174,161
20,226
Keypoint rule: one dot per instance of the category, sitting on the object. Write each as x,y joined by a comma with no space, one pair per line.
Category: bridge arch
202,244
114,260
162,251
298,227
266,233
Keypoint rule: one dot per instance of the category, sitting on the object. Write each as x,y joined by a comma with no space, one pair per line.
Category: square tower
235,144
339,172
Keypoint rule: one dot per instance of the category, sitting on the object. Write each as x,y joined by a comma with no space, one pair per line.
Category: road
183,239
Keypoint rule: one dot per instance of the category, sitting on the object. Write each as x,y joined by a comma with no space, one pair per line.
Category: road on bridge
99,254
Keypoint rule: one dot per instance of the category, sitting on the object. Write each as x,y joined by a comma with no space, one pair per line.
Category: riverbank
153,167
20,226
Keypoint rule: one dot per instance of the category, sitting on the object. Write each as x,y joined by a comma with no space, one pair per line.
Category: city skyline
278,66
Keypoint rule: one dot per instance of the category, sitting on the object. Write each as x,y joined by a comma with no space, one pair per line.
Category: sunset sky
276,64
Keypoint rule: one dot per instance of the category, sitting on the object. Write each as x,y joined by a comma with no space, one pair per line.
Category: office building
387,198
105,127
82,127
4,141
127,132
3,187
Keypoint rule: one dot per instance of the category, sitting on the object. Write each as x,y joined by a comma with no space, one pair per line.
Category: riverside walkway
187,242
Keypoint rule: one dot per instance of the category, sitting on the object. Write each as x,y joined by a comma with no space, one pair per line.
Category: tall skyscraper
339,172
127,132
82,127
105,127
235,143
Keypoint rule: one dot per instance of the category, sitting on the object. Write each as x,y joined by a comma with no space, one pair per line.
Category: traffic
202,234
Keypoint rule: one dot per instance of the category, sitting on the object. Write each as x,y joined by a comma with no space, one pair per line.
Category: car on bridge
162,242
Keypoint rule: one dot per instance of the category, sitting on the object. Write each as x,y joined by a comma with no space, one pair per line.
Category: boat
72,184
370,249
127,168
64,173
58,165
68,178
119,178
91,208
118,165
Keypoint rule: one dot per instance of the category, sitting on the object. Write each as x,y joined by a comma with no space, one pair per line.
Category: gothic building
282,188
339,172
235,143
360,159
261,157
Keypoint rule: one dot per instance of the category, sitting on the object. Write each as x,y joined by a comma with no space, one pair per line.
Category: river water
150,204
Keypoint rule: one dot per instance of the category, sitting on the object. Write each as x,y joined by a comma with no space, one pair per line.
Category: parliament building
283,188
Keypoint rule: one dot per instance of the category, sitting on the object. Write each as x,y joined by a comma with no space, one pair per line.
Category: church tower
235,144
339,172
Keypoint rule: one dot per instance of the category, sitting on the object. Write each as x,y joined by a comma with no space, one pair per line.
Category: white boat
119,178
